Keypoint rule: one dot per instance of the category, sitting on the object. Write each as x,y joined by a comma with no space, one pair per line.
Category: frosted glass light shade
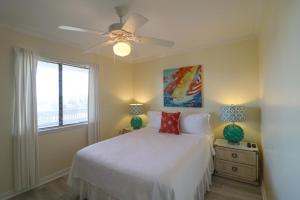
135,109
233,113
122,49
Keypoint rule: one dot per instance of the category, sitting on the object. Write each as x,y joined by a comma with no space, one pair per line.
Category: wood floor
222,189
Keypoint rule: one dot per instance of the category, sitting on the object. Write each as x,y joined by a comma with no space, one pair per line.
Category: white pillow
197,123
154,119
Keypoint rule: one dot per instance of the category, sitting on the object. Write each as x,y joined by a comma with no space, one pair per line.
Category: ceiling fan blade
134,22
71,28
99,45
155,41
134,51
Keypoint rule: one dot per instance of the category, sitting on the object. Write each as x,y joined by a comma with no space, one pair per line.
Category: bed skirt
82,190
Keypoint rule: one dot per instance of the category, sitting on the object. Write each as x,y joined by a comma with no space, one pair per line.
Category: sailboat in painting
183,87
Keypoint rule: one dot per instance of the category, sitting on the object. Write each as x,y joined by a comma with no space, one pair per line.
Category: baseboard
42,181
10,194
263,191
6,195
53,176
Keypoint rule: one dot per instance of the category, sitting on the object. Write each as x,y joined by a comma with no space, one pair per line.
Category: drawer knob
234,155
234,169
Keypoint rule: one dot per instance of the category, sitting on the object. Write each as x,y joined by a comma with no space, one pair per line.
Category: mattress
144,165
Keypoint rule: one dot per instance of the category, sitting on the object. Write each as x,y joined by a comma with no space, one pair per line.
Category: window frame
61,126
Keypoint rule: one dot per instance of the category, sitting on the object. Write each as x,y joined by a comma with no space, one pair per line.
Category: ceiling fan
122,34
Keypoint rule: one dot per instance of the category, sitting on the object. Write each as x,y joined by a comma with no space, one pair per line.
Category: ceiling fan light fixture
122,49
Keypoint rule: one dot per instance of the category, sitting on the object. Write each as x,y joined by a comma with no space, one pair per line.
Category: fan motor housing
115,27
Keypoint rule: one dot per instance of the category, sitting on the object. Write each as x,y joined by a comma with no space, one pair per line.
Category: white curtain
24,132
93,107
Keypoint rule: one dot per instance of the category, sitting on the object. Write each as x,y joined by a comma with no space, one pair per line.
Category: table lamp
135,110
233,113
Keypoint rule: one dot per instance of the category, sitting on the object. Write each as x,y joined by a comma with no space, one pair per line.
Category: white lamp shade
122,49
136,109
233,113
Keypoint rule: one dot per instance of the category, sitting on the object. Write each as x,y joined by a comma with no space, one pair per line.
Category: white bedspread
145,165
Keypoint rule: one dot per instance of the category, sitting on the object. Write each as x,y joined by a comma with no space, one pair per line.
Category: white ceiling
189,23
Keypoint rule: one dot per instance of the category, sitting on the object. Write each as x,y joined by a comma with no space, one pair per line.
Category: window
62,94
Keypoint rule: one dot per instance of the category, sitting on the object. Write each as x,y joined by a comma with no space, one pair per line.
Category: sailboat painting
183,87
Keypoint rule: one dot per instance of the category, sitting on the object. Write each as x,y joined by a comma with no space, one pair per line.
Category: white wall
57,149
280,61
231,76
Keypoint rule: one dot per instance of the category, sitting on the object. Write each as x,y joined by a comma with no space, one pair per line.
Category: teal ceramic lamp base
136,122
233,133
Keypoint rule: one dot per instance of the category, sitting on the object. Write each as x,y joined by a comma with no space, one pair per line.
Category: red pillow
170,123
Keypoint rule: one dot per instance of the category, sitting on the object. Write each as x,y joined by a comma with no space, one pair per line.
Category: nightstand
125,130
237,162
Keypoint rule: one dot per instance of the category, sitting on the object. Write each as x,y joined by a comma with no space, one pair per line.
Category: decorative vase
233,133
136,122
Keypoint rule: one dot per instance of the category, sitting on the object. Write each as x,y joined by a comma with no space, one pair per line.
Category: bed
144,165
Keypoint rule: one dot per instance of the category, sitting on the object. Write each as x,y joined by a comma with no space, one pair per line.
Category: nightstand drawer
237,170
240,156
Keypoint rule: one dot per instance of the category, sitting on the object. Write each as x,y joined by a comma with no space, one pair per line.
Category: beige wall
280,61
57,149
231,76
